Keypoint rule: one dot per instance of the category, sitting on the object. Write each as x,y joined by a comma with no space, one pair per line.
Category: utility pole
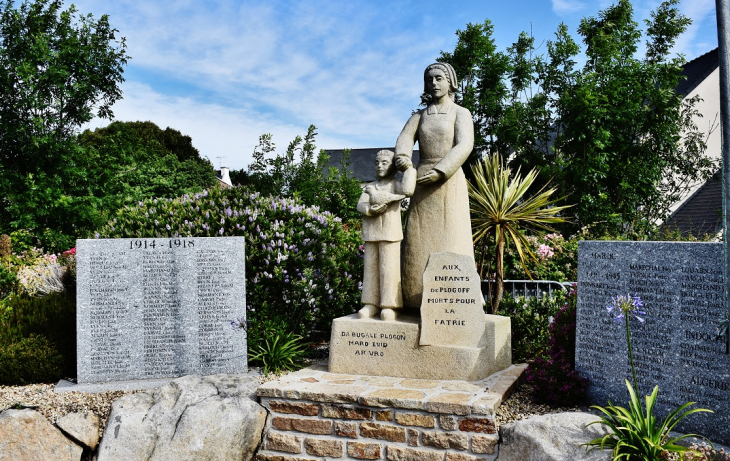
722,8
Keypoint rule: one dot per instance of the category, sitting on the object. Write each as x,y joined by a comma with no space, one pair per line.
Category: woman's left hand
430,177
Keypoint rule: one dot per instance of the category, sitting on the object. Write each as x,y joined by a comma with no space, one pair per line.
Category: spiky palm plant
499,210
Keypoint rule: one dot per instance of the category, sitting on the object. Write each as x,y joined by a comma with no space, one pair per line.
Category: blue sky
225,72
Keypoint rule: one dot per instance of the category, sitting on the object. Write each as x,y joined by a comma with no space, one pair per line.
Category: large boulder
26,435
552,437
82,427
192,418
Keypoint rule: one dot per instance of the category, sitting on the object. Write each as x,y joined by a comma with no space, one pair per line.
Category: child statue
382,233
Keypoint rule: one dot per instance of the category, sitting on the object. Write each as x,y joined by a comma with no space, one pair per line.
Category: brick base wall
315,415
304,430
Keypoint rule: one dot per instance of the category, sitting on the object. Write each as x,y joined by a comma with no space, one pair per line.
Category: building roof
697,70
701,213
362,161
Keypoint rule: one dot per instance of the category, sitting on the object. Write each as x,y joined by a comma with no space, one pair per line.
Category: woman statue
438,217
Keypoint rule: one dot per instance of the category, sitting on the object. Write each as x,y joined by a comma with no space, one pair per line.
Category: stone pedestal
380,348
316,415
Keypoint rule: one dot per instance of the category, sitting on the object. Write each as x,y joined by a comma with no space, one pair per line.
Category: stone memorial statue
382,233
449,337
438,217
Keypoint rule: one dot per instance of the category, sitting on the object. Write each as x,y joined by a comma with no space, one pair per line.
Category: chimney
225,177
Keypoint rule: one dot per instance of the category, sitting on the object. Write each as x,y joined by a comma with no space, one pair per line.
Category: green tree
126,162
297,173
629,145
482,73
58,69
617,138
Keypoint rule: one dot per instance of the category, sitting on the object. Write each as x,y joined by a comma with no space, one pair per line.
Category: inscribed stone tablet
159,307
677,347
451,308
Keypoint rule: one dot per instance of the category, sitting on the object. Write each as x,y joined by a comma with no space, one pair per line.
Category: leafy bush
34,359
278,350
531,319
554,377
302,265
8,282
52,316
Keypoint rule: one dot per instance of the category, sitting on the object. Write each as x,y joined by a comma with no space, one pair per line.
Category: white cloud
566,7
702,13
246,70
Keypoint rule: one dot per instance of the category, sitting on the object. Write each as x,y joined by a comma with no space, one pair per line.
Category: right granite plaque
677,347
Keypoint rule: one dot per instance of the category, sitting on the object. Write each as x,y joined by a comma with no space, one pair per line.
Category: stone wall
315,415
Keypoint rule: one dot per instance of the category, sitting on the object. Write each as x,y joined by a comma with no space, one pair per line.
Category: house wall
709,107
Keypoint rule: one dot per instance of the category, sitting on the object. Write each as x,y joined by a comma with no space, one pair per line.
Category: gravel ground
41,398
522,404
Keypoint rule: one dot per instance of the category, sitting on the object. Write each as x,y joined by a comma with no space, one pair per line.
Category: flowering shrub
531,318
557,259
554,377
302,265
34,273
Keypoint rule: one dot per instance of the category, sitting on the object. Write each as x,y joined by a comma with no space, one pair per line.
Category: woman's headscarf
450,74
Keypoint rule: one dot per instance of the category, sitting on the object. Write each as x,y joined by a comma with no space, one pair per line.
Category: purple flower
622,306
221,231
167,226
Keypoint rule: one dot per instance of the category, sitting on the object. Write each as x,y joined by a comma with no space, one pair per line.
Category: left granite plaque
160,307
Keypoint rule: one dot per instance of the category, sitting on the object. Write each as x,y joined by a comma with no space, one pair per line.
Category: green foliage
635,432
278,349
8,281
499,209
126,162
58,69
302,265
531,319
556,259
296,173
30,360
52,316
482,88
617,138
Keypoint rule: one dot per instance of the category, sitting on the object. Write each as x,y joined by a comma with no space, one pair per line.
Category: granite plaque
677,347
159,307
451,308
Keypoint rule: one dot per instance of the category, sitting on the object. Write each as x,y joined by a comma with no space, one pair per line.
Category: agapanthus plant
621,309
635,434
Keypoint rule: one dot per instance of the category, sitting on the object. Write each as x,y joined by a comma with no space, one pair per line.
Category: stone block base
376,347
317,415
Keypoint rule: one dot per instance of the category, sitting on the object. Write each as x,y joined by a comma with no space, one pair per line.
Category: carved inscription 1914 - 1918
677,347
160,307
